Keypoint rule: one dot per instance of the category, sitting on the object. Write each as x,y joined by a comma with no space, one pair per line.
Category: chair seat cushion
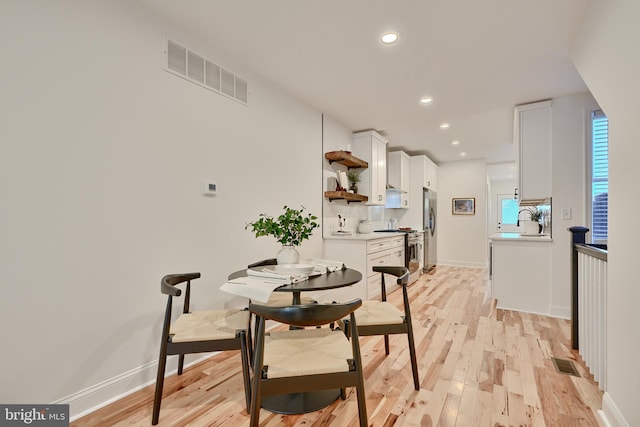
209,325
306,352
378,313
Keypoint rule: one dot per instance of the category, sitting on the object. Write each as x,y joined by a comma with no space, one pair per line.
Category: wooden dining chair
276,299
279,299
198,332
383,318
304,360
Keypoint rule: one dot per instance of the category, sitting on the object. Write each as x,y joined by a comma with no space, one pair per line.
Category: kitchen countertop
367,236
517,237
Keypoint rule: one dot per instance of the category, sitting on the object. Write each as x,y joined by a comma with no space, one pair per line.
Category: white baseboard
502,307
560,311
610,415
99,395
457,263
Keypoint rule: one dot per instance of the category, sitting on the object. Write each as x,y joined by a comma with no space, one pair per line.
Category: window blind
599,176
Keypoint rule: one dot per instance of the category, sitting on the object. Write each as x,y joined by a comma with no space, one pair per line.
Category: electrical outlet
566,213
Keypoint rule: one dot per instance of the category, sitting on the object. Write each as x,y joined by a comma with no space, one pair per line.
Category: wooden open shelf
345,195
345,158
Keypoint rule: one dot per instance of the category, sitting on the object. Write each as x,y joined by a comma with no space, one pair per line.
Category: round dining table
301,403
321,282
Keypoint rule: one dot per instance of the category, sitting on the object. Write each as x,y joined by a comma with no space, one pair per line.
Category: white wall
337,137
103,156
570,137
570,117
462,239
608,59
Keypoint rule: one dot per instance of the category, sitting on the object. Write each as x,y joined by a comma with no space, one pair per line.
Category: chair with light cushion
383,318
276,299
198,332
305,360
279,299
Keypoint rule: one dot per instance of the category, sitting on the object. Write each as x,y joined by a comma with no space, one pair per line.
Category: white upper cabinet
399,178
371,147
532,134
430,175
426,172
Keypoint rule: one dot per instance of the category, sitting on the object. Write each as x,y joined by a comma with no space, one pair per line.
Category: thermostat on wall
208,189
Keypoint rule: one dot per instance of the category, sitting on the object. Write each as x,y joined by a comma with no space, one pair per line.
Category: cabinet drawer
397,257
397,242
377,259
378,245
389,257
383,244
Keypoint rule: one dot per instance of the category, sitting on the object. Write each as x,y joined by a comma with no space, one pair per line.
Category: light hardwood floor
479,366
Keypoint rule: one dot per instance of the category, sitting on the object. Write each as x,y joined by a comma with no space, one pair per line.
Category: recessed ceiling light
389,37
426,100
444,125
456,142
463,154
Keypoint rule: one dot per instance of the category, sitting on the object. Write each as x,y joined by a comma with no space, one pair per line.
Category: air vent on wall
197,69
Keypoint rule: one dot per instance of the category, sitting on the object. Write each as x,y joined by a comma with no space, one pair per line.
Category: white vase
288,255
531,228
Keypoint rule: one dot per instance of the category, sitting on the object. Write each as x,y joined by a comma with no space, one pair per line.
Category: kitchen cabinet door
372,148
405,165
533,140
425,171
399,167
363,255
430,174
389,257
521,276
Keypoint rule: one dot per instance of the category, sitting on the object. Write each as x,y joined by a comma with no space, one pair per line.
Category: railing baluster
589,304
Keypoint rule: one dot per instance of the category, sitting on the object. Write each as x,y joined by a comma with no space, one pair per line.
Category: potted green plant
289,229
354,177
535,214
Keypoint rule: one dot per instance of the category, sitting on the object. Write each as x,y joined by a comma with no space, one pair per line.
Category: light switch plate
208,189
566,213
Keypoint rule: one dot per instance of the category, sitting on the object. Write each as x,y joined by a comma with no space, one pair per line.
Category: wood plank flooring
479,366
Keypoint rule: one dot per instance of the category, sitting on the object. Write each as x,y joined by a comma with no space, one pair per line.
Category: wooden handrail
596,251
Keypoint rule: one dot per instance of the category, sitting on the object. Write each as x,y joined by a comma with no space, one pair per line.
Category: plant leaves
290,228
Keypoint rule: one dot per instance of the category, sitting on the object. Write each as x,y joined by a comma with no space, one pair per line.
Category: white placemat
268,273
251,287
259,284
325,265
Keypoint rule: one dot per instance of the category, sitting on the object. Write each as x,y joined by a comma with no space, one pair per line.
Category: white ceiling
476,58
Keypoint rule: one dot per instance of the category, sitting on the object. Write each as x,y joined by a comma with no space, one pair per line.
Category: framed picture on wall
463,206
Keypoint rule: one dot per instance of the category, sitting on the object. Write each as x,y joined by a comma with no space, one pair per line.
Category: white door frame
506,227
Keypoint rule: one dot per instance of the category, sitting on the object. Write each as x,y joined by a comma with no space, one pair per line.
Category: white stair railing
592,310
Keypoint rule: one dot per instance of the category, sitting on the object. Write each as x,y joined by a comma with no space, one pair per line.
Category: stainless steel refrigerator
429,210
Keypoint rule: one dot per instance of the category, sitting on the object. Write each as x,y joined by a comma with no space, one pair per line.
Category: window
599,176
